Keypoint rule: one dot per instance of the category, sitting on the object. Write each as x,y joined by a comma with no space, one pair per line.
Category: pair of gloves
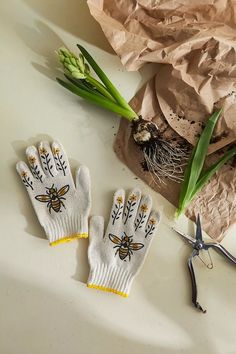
63,207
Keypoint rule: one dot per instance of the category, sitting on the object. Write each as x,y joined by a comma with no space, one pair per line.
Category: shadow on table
82,265
169,291
74,17
43,321
43,41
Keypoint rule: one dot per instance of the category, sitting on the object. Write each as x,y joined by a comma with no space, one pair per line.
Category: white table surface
45,306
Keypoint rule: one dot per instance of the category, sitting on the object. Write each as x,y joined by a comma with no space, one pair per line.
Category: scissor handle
220,249
193,281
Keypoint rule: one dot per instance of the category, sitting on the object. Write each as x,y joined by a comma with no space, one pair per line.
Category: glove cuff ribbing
66,229
111,279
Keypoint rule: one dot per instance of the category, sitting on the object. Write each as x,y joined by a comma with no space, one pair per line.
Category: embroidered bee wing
44,198
62,191
136,246
115,239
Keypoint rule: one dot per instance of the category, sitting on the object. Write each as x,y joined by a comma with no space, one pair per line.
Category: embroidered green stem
140,221
46,160
27,181
116,214
128,211
60,164
36,172
149,230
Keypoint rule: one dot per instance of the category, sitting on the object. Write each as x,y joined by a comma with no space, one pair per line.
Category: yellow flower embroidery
144,208
55,151
23,174
152,221
32,159
42,151
119,200
133,198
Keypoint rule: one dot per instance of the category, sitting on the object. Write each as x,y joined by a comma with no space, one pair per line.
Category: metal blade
198,229
190,239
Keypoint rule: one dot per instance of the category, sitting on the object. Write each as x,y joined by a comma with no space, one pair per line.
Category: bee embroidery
125,246
53,198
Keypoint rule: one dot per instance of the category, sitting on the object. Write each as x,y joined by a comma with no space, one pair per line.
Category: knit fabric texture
62,206
116,256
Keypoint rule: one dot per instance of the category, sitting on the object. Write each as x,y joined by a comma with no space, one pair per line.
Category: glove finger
144,209
151,225
96,227
60,157
47,160
117,209
26,175
96,234
83,184
34,162
131,207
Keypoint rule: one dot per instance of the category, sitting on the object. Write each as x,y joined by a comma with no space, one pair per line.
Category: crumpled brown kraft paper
216,203
193,41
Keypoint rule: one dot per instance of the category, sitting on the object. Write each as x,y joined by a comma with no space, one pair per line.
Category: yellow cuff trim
68,239
110,290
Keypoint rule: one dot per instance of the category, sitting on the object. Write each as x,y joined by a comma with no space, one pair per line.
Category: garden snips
199,245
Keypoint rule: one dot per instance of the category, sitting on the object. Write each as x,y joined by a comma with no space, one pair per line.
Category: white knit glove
61,207
116,257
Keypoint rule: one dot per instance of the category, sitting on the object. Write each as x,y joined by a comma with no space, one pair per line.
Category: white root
165,161
162,159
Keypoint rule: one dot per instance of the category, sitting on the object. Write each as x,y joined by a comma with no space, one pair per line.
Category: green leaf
206,176
83,85
111,88
79,83
187,172
197,159
102,89
212,170
98,100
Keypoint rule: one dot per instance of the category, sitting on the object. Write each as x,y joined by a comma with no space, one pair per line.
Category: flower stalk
161,158
83,84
